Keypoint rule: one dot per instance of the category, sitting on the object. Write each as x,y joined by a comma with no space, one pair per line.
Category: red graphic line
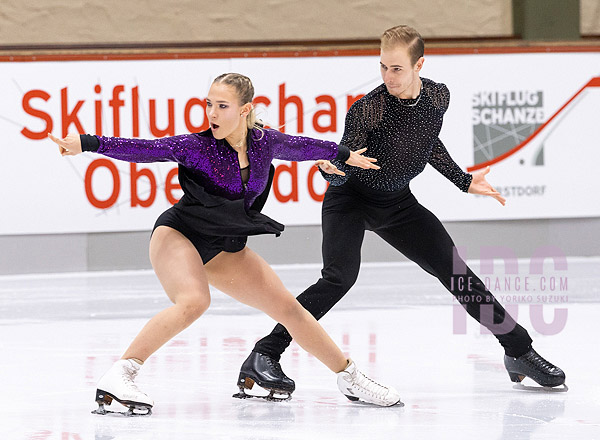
594,82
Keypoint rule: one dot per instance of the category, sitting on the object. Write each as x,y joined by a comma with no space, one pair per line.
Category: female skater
202,239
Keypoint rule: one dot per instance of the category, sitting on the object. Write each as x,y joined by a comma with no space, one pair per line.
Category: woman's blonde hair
245,91
406,36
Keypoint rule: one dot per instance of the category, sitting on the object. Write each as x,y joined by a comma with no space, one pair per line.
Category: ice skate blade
134,409
541,389
355,399
270,398
131,412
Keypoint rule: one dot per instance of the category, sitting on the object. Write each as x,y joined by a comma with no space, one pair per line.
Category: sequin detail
214,165
402,138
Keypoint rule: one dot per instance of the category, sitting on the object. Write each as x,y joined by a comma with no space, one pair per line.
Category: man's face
398,72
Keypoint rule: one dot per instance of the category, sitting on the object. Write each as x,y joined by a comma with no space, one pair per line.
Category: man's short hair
406,36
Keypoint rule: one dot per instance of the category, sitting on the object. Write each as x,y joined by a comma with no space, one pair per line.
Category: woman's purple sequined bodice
214,165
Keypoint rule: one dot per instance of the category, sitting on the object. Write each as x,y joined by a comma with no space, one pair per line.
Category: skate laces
536,359
369,385
275,365
129,375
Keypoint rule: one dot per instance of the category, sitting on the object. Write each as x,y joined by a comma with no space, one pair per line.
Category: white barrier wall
532,117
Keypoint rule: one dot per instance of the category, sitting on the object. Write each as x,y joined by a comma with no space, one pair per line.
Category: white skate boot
117,383
356,386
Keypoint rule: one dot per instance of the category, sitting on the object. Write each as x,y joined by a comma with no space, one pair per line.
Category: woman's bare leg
248,278
181,272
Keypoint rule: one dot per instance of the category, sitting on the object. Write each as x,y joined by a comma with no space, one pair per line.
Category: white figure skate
356,386
118,384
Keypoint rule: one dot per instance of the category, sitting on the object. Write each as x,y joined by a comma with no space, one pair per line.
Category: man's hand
356,159
481,186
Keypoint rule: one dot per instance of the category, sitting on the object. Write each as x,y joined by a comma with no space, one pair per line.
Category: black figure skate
535,367
267,373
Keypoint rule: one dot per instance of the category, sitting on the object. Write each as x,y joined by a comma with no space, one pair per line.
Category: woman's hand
329,168
481,186
69,146
356,159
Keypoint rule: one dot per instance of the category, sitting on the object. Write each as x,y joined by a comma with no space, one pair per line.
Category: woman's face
397,71
225,114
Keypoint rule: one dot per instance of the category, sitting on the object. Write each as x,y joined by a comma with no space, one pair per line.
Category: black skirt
214,224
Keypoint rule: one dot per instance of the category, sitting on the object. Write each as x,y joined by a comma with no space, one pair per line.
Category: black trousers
398,218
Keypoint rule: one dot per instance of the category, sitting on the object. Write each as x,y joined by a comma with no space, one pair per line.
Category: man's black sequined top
402,136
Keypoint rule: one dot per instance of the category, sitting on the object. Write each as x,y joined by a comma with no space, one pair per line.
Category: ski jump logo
506,122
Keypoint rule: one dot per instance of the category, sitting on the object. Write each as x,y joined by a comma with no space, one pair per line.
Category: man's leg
421,237
343,232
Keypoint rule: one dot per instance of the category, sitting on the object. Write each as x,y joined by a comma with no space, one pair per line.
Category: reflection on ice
61,333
